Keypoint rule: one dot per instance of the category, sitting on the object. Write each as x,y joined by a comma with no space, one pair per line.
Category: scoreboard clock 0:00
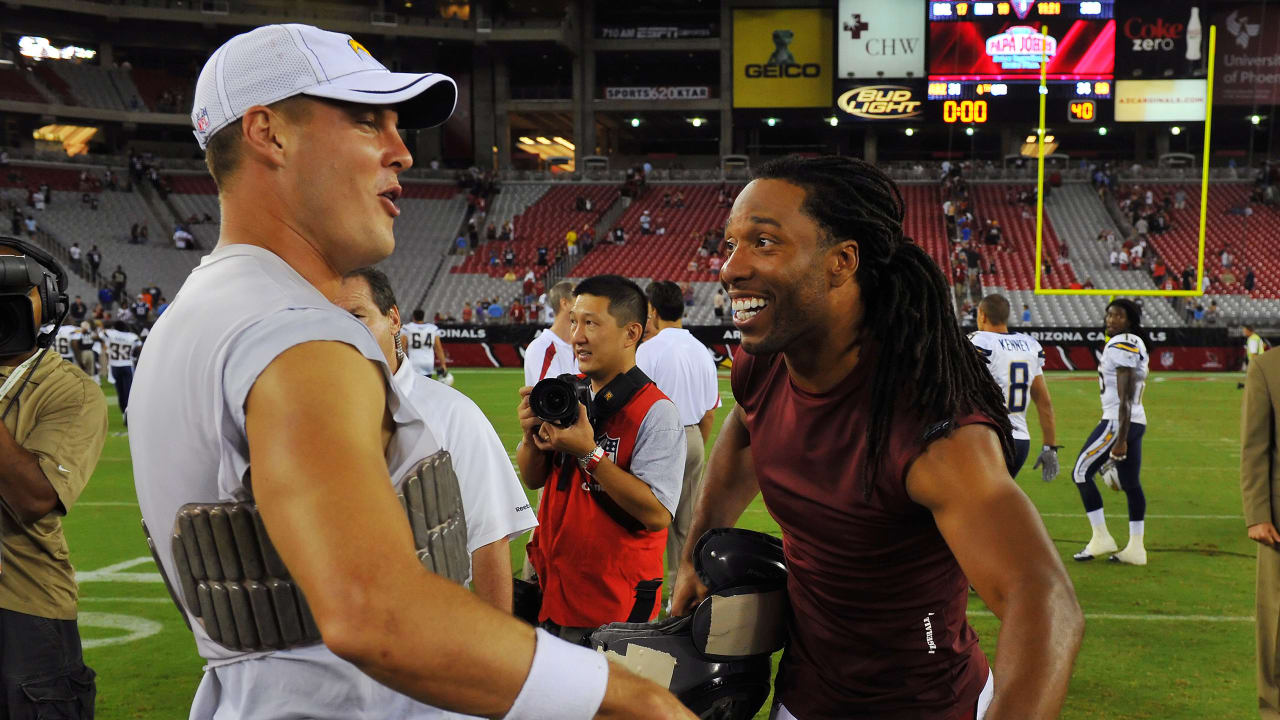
964,111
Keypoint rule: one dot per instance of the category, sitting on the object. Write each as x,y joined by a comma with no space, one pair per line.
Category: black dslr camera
18,274
555,400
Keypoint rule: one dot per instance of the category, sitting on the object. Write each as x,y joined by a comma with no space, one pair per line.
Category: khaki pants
678,534
1268,629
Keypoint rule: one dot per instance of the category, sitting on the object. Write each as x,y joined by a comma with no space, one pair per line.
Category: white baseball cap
274,62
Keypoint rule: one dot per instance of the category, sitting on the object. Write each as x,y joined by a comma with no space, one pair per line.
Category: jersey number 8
1019,374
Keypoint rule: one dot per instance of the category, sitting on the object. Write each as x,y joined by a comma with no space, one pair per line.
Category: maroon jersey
877,624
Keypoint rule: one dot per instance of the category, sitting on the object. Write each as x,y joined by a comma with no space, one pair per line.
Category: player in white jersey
120,344
67,342
1114,448
493,498
550,354
1016,361
252,367
682,368
422,344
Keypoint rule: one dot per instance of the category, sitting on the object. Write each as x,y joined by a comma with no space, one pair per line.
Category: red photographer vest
594,570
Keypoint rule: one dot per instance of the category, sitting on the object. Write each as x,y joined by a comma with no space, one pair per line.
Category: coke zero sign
1161,39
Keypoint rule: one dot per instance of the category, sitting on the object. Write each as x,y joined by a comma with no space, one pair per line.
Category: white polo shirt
241,308
493,499
682,368
548,356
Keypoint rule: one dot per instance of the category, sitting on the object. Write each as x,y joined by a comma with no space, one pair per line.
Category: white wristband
566,682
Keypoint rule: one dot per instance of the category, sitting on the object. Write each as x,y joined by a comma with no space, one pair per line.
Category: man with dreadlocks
879,443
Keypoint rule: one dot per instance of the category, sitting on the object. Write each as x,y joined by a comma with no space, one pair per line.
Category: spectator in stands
144,233
714,264
993,235
134,234
473,233
1227,258
619,236
542,255
587,238
1212,315
678,199
31,225
1088,284
517,311
162,304
45,196
491,233
182,239
493,260
1026,314
527,287
509,276
1198,315
460,245
693,265
571,241
1180,200
467,313
718,303
660,227
495,311
687,291
508,232
1250,280
74,252
509,258
1189,278
666,199
78,310
106,297
119,281
646,223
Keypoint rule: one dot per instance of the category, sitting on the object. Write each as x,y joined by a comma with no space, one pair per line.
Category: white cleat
1097,546
1130,556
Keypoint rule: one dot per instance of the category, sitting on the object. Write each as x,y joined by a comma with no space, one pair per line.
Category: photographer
612,471
54,426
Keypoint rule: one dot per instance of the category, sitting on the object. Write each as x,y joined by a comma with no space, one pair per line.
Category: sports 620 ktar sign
664,92
879,39
1161,39
782,58
881,102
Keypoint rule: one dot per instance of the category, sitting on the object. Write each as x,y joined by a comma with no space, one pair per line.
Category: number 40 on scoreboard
1082,111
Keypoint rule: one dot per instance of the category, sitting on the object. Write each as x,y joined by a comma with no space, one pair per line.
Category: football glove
446,378
1048,460
1110,472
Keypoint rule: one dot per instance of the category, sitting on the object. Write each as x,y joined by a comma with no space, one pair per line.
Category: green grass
1128,668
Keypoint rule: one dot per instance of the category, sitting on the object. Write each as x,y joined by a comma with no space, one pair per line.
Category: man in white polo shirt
492,496
550,354
682,368
252,367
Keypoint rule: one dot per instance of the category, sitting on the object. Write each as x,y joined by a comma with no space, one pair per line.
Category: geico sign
1148,36
789,70
880,102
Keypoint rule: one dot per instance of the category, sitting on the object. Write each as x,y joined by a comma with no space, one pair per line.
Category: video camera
18,274
555,400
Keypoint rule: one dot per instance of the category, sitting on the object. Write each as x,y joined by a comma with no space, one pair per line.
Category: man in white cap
299,126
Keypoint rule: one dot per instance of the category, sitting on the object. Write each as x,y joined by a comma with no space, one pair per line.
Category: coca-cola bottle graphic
1194,34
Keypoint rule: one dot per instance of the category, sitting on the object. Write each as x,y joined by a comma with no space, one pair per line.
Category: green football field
1170,640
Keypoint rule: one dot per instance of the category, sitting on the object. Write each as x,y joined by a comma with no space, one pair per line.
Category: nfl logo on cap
202,120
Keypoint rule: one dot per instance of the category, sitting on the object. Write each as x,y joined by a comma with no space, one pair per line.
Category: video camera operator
612,471
54,426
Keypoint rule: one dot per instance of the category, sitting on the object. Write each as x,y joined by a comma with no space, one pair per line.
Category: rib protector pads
235,584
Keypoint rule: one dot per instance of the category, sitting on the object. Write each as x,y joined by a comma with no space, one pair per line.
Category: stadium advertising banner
879,103
1161,100
1248,62
879,39
655,32
1161,39
989,47
782,58
665,92
1066,348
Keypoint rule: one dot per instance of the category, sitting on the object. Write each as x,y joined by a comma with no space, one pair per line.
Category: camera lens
554,401
17,328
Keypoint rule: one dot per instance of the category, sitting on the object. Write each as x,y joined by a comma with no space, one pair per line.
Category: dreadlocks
908,308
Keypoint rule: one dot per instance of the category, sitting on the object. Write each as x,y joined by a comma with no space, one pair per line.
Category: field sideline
1171,640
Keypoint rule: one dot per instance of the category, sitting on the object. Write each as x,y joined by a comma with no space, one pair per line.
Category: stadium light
543,141
563,142
526,140
910,131
771,121
697,121
1255,119
833,121
1175,130
1102,130
968,131
635,122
